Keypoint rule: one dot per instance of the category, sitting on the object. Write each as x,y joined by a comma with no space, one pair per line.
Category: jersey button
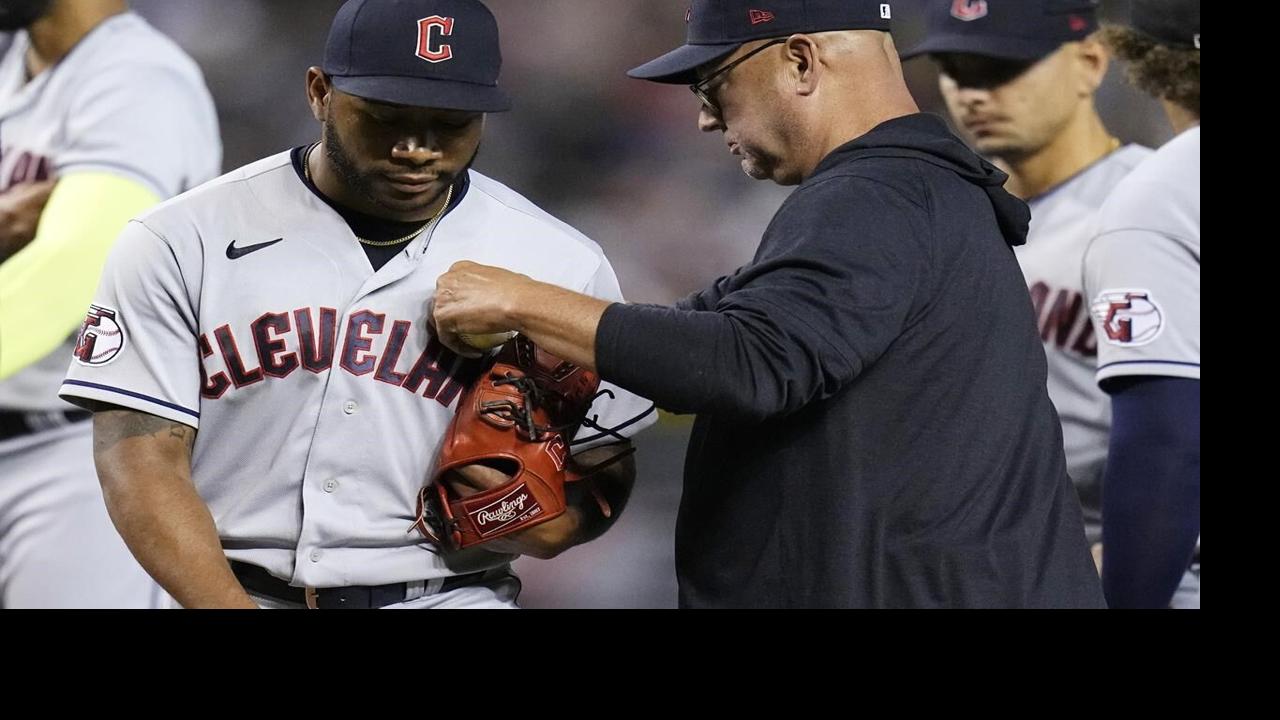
315,555
330,485
349,407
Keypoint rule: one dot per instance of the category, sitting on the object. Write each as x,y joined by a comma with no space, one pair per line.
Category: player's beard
18,14
363,183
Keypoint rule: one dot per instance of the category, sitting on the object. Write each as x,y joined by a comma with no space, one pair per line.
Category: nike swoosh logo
235,253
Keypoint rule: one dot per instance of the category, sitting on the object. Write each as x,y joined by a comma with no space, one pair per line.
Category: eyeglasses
701,87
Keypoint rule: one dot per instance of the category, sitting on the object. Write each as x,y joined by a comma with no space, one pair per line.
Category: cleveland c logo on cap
443,51
968,10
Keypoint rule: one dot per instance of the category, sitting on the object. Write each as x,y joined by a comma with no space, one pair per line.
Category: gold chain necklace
306,169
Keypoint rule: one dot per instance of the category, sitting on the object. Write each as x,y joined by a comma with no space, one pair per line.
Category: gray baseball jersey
126,101
247,308
1143,270
1063,223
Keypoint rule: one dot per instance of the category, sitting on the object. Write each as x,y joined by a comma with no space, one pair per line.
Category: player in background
1143,275
101,117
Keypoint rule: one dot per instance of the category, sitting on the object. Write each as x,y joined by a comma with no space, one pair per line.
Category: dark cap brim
677,67
423,92
987,46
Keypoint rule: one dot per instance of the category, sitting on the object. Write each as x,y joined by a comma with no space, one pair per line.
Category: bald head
858,66
866,46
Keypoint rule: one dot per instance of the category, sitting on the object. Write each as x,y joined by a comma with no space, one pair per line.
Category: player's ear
319,92
1093,59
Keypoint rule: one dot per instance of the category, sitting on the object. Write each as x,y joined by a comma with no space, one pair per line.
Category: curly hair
1171,73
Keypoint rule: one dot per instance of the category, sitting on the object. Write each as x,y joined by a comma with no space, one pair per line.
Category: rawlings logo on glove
514,420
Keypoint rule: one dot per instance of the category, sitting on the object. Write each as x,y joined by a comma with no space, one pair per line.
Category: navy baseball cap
425,53
1169,22
1008,29
718,27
